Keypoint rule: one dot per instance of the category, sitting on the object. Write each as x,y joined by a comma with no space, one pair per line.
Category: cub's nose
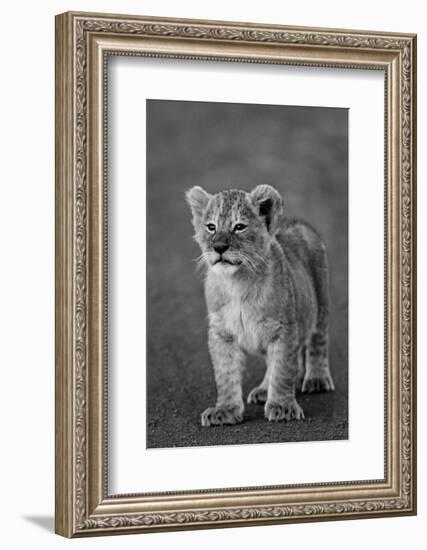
220,247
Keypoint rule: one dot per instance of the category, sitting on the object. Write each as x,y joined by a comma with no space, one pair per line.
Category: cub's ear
269,205
198,200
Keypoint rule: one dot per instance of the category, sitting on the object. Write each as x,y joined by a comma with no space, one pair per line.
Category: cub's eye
211,227
240,227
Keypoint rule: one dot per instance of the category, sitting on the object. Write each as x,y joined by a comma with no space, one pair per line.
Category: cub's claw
220,416
288,410
257,396
318,383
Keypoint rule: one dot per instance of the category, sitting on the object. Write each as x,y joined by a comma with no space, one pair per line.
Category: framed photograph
235,274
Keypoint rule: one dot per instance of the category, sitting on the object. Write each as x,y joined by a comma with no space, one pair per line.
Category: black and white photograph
247,273
213,239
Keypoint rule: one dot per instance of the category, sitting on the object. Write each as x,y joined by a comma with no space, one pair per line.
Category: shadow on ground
47,523
302,151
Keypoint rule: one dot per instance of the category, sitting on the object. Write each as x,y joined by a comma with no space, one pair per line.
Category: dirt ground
303,152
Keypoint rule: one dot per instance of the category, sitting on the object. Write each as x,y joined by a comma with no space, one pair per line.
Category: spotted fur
266,289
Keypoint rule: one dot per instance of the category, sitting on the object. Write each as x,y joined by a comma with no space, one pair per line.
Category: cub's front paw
287,410
220,416
317,382
257,396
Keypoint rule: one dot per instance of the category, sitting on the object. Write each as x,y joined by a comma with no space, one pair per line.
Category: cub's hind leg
301,366
258,395
317,374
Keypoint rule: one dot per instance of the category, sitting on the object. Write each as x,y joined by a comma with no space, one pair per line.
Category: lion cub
266,291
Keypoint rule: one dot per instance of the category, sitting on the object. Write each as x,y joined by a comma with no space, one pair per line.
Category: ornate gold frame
83,41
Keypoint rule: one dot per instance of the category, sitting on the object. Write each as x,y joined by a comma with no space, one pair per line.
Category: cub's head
234,228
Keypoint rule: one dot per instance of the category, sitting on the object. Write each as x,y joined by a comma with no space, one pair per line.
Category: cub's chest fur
245,314
241,320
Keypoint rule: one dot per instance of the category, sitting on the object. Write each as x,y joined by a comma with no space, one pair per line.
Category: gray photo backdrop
303,152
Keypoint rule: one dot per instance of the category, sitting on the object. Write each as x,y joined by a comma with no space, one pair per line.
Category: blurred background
303,152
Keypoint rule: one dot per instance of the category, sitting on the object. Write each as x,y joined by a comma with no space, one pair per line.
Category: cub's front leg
282,363
228,361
